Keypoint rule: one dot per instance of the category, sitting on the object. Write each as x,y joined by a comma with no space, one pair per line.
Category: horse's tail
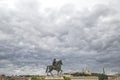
47,69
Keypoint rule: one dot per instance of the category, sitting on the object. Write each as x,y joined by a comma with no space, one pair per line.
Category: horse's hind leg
47,74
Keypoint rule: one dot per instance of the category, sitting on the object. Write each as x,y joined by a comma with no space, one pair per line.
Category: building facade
114,77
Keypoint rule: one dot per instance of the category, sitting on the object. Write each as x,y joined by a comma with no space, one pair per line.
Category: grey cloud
88,38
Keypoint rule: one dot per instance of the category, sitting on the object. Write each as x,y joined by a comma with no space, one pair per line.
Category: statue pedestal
55,77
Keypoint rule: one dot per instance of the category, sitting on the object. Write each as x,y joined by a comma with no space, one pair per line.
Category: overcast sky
83,33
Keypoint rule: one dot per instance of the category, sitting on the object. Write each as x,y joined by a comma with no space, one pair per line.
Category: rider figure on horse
54,62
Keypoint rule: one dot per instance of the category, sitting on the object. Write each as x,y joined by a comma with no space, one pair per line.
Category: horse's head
60,62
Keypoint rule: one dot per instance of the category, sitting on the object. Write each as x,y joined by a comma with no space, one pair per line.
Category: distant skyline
82,33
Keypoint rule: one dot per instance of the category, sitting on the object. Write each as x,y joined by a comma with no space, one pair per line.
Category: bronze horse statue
56,67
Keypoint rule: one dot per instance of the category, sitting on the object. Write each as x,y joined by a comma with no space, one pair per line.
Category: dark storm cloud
30,37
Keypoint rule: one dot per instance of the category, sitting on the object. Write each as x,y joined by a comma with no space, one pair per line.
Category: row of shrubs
99,75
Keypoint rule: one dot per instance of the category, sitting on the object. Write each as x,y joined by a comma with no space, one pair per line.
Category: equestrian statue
56,65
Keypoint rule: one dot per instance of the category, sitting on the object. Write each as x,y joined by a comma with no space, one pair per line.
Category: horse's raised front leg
60,72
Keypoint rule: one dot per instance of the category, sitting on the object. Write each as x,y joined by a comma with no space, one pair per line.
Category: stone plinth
54,77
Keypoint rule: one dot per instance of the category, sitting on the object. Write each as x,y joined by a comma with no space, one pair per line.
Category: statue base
54,77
